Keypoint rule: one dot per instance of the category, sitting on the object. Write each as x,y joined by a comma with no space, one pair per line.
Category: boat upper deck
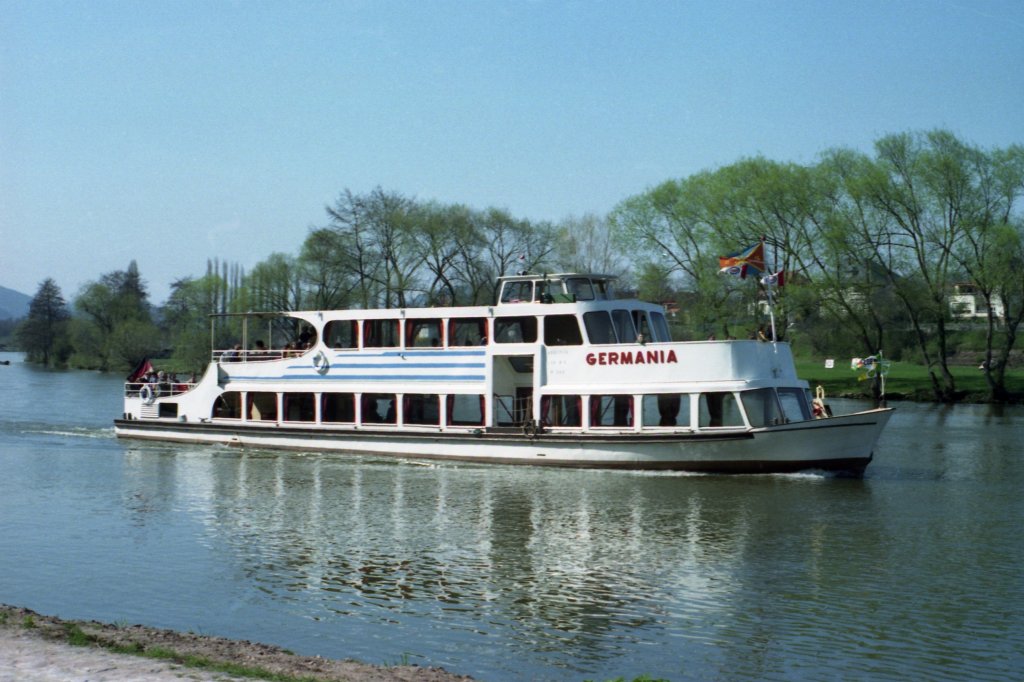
567,331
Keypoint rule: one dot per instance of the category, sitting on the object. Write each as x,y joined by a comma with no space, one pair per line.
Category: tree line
873,246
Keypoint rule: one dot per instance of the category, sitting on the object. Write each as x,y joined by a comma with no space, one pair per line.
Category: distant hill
13,304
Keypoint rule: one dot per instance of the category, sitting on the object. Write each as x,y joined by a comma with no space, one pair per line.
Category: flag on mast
775,279
141,369
747,261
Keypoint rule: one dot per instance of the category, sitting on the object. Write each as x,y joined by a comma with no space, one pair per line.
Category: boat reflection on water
573,566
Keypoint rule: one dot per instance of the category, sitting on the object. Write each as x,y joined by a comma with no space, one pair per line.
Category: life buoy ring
320,363
148,393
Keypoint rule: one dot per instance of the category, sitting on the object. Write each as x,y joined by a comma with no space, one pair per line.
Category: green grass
75,636
73,633
906,380
207,664
642,678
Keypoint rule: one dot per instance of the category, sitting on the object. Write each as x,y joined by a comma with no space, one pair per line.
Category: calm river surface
505,573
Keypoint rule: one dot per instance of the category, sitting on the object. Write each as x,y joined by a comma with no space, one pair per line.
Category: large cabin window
381,333
379,408
562,330
599,326
666,409
421,409
299,407
337,408
624,327
228,406
561,410
261,406
515,329
642,325
762,407
794,404
580,288
468,331
611,410
660,326
517,292
423,334
341,334
465,410
719,409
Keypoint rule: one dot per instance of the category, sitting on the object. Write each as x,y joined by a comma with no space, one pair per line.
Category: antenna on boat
767,281
771,310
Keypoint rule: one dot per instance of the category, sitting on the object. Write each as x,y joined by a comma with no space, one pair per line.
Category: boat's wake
798,475
69,432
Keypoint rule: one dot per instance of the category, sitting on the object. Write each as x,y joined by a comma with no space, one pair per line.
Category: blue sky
174,132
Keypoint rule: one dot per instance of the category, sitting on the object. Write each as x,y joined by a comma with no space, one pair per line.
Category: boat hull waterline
842,444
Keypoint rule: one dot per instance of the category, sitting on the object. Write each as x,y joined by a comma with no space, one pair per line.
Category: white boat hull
843,443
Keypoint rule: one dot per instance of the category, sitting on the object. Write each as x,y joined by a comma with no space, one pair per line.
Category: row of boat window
602,327
763,407
556,291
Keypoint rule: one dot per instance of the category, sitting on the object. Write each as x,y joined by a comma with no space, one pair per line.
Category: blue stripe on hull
402,365
367,377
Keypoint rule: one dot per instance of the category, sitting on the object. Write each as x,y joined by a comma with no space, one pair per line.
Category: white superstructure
558,372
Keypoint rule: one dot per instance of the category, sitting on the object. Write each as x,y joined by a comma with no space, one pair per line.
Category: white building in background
967,304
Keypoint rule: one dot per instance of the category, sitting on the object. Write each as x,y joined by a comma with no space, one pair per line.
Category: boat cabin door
513,390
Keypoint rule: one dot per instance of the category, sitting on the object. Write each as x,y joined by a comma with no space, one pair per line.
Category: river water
516,573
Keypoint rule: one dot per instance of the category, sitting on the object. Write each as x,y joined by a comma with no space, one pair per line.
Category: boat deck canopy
565,287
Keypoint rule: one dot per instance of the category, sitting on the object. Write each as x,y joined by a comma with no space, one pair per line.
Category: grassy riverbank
905,381
239,659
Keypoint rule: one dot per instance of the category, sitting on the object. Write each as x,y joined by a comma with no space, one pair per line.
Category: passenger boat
558,372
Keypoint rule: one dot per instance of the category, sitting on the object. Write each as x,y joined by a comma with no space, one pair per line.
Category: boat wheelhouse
558,372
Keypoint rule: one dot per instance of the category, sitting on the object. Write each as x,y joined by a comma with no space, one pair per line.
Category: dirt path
42,648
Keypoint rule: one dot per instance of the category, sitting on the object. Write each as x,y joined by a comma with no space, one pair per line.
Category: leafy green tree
187,316
43,333
449,239
277,284
991,248
132,341
390,250
351,241
848,291
328,270
393,232
377,230
586,244
7,329
782,204
510,246
87,345
671,229
923,192
116,299
1010,293
654,282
